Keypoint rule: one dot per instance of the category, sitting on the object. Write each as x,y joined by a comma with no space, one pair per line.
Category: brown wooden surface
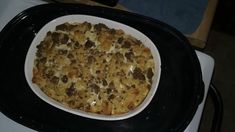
199,37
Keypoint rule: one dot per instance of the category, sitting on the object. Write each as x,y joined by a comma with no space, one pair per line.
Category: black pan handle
104,2
107,2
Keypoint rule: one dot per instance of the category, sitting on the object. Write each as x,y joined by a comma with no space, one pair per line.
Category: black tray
180,90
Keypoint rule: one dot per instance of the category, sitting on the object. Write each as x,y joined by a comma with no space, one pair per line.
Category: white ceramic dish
29,63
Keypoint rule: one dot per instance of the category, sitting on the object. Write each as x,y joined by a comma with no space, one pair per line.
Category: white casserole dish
29,63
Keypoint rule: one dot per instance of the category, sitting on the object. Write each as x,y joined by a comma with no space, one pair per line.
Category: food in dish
93,68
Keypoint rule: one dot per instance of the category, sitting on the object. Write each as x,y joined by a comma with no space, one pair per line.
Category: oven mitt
184,15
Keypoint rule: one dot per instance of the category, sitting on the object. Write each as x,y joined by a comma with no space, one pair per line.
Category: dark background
221,46
224,20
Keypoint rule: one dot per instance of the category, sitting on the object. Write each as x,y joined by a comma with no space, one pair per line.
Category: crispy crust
93,68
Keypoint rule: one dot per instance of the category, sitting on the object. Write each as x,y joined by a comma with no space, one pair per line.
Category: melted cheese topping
93,68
